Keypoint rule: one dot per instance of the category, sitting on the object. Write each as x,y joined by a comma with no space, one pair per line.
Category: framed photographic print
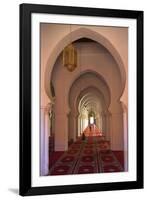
81,99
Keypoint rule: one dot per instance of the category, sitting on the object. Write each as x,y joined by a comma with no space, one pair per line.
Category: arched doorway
62,109
77,34
89,93
91,117
96,75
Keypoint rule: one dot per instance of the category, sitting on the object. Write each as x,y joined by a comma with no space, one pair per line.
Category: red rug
93,155
108,162
120,157
92,131
54,156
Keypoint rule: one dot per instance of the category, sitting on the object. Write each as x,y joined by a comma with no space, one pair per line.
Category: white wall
9,103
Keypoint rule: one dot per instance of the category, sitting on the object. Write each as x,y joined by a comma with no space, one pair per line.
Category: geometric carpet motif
92,155
108,162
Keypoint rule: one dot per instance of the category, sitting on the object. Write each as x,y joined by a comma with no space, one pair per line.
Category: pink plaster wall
91,56
52,34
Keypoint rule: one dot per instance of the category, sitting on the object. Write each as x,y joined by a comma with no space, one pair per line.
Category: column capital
47,108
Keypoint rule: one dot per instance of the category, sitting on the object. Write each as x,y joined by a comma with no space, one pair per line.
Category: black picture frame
25,187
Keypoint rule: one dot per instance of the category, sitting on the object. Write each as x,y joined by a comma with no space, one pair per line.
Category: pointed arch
77,34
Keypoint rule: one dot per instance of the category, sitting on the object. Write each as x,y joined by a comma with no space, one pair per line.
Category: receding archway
91,99
115,108
116,86
93,91
77,34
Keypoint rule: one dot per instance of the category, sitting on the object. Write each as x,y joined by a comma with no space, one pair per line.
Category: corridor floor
91,155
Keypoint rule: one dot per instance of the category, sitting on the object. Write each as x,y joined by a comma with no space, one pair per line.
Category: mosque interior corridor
84,99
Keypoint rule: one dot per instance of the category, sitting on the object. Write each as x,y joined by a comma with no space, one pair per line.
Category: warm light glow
85,123
91,120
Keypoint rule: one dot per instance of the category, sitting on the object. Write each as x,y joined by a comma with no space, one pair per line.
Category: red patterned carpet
89,156
92,131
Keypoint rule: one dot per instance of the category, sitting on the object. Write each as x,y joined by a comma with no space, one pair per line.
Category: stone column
82,124
52,121
117,137
103,116
97,121
125,126
108,116
79,125
61,131
44,140
74,129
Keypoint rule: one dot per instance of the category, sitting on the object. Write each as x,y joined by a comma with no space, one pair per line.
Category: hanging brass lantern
70,57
